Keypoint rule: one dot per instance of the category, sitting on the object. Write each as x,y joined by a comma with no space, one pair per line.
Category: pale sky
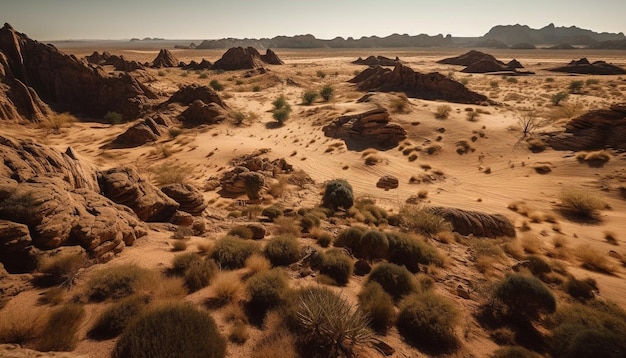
47,20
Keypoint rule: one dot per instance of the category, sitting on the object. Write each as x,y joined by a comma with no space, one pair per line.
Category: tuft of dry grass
531,243
582,204
257,263
205,247
594,159
443,111
228,288
594,260
611,238
21,325
171,173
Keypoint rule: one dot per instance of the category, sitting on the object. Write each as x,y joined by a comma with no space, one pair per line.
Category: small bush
61,331
197,271
171,173
429,320
581,203
231,252
287,226
116,317
320,74
172,330
575,86
443,111
179,245
282,114
349,238
592,259
337,265
373,245
594,159
113,118
581,290
267,289
558,97
395,280
241,231
309,96
257,263
338,193
216,85
272,212
282,250
409,251
63,269
21,326
378,306
118,281
324,238
327,92
309,222
280,102
418,219
228,288
524,297
400,104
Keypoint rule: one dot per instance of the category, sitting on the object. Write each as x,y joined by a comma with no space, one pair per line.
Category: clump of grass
228,288
580,203
60,333
57,122
116,317
21,326
594,159
336,265
443,111
309,96
524,297
257,263
171,173
118,281
282,250
197,271
594,260
231,252
418,219
410,251
378,306
216,85
395,280
241,231
62,269
267,289
179,245
327,92
323,237
400,104
286,226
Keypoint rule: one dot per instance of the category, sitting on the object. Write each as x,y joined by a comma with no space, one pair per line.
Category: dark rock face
469,58
165,59
142,132
203,65
68,83
125,186
376,61
239,58
190,199
368,129
118,62
430,86
485,66
201,113
583,66
476,223
387,182
599,129
188,94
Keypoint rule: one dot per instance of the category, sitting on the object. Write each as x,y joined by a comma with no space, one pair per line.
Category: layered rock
239,58
165,59
142,132
125,186
249,172
367,129
69,83
430,86
583,66
476,223
599,129
199,113
190,199
376,61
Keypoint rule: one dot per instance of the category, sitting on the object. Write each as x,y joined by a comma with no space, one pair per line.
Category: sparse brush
116,317
172,173
327,92
395,280
378,306
119,281
282,250
63,269
594,260
280,343
57,122
418,219
241,231
531,243
286,226
216,85
309,96
580,203
231,252
400,104
228,288
472,116
257,263
443,111
21,325
60,333
594,159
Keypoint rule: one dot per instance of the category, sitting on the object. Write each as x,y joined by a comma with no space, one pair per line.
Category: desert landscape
317,202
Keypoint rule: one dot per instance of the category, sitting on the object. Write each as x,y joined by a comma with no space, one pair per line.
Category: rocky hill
550,34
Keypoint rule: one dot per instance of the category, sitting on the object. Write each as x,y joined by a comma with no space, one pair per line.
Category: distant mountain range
501,36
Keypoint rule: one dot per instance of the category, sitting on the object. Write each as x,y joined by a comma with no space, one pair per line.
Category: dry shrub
283,250
519,207
179,245
267,290
119,281
172,173
594,159
241,231
531,243
205,247
335,264
395,280
278,344
443,111
594,260
419,219
378,305
52,296
227,288
197,271
257,263
21,325
62,269
116,317
514,352
60,333
277,189
231,252
536,216
286,226
400,104
324,238
581,204
515,249
57,122
411,250
239,333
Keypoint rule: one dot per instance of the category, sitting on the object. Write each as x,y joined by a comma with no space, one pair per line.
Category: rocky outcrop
239,58
583,66
188,94
195,66
249,173
367,129
599,129
165,59
485,66
469,58
476,223
142,132
201,113
68,83
430,86
234,181
387,182
376,61
125,186
118,62
514,64
190,199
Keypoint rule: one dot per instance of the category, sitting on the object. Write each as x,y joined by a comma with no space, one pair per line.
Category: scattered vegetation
395,280
116,317
60,333
231,252
267,289
327,92
583,204
216,85
282,250
443,111
414,218
118,281
309,96
62,269
558,97
524,297
378,306
196,270
338,194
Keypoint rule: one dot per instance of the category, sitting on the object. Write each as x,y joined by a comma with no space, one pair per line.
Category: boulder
190,199
199,113
186,95
240,180
583,66
476,223
182,218
598,129
68,83
387,182
367,129
430,86
142,132
125,186
165,59
271,58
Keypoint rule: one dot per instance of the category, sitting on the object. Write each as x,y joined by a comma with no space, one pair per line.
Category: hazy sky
201,19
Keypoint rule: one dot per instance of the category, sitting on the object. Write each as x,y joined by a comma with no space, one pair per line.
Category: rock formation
430,86
387,182
191,93
367,129
142,132
599,129
67,82
469,58
190,199
252,169
476,223
239,58
376,61
204,105
165,59
480,62
194,66
583,66
118,62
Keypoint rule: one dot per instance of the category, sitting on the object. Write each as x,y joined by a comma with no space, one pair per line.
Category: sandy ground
498,172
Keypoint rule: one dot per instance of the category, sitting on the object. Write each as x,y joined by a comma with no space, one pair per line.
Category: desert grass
531,243
443,111
581,204
55,123
594,260
21,325
228,288
257,263
119,281
172,173
60,333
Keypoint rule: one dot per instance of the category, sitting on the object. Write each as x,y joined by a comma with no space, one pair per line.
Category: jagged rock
476,223
599,129
191,93
239,58
462,292
195,66
142,132
237,180
485,66
118,62
125,186
470,58
190,199
202,113
430,86
16,247
387,182
367,129
182,218
376,61
165,59
583,66
258,230
68,82
255,163
18,101
514,64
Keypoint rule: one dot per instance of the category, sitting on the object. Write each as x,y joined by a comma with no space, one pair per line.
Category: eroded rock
367,129
476,223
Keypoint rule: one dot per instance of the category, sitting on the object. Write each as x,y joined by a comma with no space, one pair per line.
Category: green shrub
216,85
63,269
197,271
113,118
373,245
395,280
253,183
283,250
282,114
280,102
116,317
324,238
118,281
241,231
575,86
538,266
428,320
524,297
378,306
172,330
338,193
350,238
231,252
61,330
327,92
558,97
272,212
327,323
581,290
309,96
267,289
337,265
320,74
409,251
